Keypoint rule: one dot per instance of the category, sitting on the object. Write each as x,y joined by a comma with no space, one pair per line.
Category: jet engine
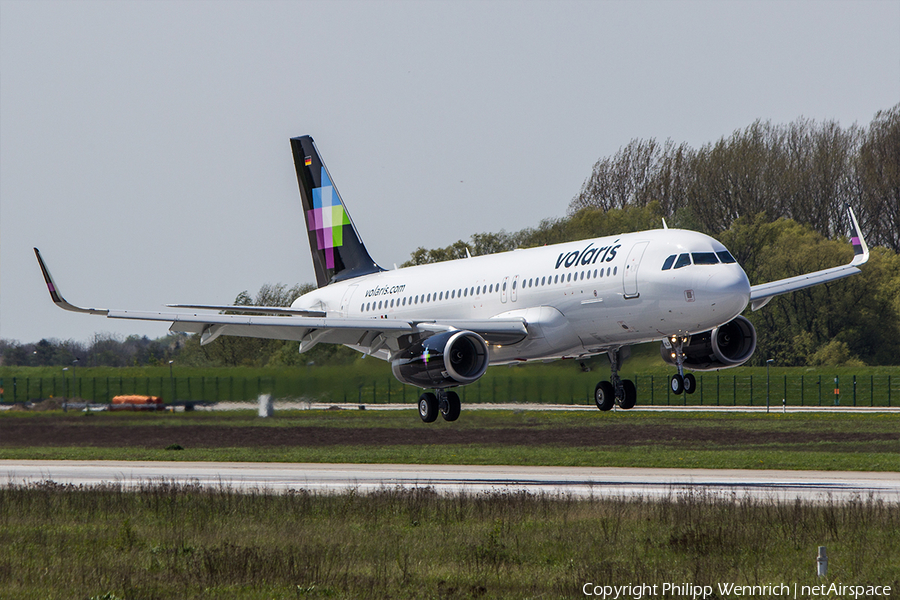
443,360
727,345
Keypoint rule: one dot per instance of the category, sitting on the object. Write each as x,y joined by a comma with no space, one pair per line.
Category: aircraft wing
760,295
307,327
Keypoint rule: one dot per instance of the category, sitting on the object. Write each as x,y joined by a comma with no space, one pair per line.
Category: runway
814,486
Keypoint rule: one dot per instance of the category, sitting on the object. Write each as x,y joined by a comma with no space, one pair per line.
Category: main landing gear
442,401
617,390
681,383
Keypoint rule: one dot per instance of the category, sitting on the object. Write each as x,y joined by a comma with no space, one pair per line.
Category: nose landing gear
617,390
681,383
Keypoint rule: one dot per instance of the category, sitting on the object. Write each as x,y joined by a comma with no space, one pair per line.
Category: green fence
497,386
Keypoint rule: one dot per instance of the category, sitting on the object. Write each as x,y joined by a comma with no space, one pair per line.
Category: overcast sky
144,145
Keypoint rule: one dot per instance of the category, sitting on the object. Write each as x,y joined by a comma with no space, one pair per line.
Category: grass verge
175,541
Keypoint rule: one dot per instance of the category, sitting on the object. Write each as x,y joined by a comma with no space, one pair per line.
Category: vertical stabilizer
337,251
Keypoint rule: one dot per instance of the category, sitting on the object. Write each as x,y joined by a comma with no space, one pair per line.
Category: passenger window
543,280
669,262
556,279
615,270
601,273
705,258
504,286
726,257
514,283
683,261
569,278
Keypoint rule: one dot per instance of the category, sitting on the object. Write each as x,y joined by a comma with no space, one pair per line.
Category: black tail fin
337,251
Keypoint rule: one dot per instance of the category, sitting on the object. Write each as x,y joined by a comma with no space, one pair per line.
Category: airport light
768,362
172,380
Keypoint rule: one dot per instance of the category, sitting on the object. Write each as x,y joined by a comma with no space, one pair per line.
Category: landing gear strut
443,402
681,383
617,390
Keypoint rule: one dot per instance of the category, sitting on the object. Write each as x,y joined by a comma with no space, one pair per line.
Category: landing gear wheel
450,407
690,383
630,398
428,407
604,395
677,384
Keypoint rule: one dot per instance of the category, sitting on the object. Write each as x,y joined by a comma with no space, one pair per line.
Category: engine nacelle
727,345
443,360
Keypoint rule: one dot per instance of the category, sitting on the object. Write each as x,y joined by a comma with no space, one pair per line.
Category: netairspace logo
732,590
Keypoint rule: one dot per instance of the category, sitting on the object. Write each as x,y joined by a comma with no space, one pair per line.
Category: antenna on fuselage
664,224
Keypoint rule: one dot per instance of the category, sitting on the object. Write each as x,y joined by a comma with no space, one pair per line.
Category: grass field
820,441
177,542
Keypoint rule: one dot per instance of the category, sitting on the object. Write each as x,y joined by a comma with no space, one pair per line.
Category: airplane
441,325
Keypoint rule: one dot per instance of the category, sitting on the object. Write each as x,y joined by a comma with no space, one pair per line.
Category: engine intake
444,360
727,345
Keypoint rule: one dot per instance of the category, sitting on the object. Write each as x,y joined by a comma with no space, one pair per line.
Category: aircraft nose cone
730,289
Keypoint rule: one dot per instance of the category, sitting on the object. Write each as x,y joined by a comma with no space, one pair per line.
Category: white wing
307,327
760,295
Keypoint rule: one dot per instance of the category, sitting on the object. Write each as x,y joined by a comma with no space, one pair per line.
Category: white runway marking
815,486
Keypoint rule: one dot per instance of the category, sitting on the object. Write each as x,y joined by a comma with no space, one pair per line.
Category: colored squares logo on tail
327,218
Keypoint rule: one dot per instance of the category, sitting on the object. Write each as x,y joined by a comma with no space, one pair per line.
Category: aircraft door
512,292
503,287
345,301
629,273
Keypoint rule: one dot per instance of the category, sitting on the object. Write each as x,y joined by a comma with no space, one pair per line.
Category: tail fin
337,251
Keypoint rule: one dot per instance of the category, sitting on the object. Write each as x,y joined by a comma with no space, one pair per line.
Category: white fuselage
577,298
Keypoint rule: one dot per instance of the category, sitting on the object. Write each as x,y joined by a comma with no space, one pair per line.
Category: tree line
804,171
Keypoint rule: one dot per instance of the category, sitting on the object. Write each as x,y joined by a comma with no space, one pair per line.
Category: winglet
860,249
57,297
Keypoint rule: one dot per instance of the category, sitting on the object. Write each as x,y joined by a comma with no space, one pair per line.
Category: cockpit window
726,257
705,258
668,264
683,261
